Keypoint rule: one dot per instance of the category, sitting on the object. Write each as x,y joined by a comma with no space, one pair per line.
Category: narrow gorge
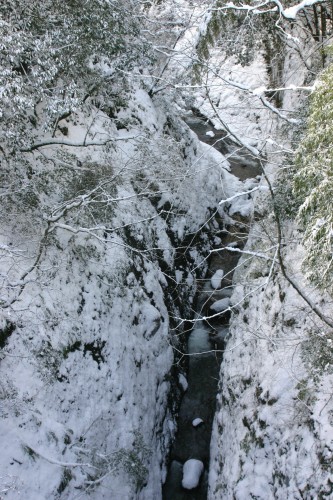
166,250
208,335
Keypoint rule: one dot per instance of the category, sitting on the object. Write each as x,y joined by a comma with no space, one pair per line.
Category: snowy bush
133,461
54,55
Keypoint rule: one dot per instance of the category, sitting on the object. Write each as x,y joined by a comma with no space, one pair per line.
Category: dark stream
199,400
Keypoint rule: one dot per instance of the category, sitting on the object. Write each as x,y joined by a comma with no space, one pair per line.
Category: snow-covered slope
273,435
92,288
273,431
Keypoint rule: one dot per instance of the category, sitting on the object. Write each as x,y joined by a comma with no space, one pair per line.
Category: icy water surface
205,345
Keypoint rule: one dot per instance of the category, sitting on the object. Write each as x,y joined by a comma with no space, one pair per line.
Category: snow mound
197,421
216,279
210,133
183,382
220,305
192,471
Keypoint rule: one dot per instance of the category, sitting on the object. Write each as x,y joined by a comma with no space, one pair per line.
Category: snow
92,332
273,407
220,305
268,397
197,421
237,108
259,90
183,382
210,133
85,377
192,471
291,12
216,279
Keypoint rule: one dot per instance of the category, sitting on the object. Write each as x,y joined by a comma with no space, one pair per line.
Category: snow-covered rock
216,279
197,421
220,305
192,471
272,426
210,133
183,382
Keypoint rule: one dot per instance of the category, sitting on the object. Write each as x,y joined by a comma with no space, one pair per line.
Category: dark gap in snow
243,165
6,332
95,349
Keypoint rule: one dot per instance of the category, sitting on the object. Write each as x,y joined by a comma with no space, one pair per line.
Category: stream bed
206,340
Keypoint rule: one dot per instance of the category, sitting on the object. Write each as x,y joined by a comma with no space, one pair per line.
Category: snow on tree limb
260,8
80,144
243,193
291,12
247,252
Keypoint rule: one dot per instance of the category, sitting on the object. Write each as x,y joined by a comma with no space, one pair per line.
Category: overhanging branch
80,144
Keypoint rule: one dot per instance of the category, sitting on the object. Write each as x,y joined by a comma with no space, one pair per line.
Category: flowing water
205,343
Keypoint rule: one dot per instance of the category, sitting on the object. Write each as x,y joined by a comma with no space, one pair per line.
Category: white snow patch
179,276
192,471
216,279
197,421
183,382
220,305
259,91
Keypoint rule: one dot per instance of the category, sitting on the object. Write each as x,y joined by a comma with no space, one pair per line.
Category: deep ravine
207,338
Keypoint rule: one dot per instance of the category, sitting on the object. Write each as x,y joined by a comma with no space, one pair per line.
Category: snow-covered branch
243,193
289,13
247,252
60,463
79,144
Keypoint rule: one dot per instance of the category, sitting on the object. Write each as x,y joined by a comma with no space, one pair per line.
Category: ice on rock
216,279
220,305
192,471
197,421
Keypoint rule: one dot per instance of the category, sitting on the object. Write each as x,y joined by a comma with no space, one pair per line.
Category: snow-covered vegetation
313,184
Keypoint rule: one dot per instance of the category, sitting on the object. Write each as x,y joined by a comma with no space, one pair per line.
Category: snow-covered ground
86,374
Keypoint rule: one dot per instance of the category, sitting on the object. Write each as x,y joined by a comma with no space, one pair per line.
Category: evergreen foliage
313,184
53,54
